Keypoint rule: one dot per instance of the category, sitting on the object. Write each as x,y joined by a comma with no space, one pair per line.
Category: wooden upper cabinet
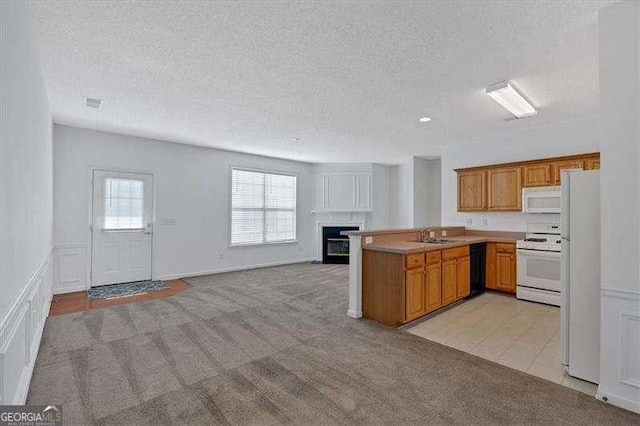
536,174
593,163
504,189
472,190
415,294
559,166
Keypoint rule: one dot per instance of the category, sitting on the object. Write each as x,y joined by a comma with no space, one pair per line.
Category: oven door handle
539,253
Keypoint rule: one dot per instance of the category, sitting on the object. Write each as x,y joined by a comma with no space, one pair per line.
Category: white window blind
263,207
123,204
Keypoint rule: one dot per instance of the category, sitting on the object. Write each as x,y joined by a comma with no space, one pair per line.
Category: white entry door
121,230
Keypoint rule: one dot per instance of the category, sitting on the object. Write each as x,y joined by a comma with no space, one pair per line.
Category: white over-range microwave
544,199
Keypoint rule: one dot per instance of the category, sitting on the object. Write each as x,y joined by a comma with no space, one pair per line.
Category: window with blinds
263,207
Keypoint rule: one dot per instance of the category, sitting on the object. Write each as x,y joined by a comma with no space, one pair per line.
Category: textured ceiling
350,79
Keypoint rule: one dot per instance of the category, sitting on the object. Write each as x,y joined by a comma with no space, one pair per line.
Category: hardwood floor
79,302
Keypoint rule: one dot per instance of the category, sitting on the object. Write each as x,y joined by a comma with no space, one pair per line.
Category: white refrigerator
580,274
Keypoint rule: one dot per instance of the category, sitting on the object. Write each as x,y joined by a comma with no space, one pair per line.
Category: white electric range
539,260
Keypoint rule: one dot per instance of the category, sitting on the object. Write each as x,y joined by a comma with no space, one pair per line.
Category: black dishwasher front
478,268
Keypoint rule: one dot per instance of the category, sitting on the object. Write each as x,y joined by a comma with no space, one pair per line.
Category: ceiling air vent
92,102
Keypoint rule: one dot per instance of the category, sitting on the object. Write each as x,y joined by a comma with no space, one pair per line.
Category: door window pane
123,204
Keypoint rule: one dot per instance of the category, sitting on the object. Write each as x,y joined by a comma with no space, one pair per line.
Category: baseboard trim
62,289
354,314
232,269
627,404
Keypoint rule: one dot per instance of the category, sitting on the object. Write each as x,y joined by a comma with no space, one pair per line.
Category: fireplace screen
337,246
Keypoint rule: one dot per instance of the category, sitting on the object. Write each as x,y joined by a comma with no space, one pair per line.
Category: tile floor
521,335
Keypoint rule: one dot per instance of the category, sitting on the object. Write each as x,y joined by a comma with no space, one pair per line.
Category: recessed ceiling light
425,119
504,94
295,139
92,102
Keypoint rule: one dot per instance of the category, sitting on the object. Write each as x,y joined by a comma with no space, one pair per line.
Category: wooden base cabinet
449,281
506,272
397,289
490,278
434,286
415,294
456,274
501,267
463,273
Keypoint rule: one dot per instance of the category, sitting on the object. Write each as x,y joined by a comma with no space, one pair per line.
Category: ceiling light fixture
92,102
425,119
504,94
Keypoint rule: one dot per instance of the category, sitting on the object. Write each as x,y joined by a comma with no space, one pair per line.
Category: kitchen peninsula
395,277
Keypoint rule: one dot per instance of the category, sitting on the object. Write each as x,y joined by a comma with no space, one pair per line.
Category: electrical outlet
432,234
444,233
368,240
469,222
485,222
221,255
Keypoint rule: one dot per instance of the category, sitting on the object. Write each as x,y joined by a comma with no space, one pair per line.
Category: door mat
125,289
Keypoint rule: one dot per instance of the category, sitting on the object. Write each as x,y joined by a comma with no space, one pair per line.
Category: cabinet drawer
453,253
414,260
505,248
433,257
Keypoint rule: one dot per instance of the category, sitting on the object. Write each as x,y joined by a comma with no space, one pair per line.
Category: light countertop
405,247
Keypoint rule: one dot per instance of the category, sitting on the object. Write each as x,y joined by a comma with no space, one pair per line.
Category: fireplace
335,247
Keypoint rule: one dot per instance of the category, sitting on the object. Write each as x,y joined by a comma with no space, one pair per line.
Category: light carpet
272,346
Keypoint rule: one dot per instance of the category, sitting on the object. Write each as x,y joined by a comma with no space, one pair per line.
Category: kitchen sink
438,241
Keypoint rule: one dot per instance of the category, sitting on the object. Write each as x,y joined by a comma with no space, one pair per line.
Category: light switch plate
368,240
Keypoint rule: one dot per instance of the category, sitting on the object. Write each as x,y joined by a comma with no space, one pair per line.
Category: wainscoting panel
20,334
343,190
620,349
70,268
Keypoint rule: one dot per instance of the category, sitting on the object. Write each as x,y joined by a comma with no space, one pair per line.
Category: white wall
26,199
380,197
619,27
426,192
401,195
414,193
575,137
192,190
